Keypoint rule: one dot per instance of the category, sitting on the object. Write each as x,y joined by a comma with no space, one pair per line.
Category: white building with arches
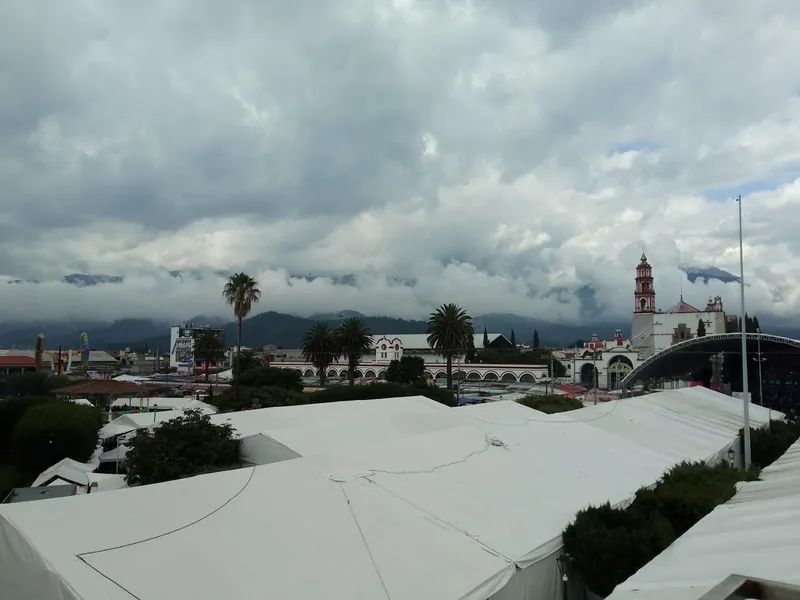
389,347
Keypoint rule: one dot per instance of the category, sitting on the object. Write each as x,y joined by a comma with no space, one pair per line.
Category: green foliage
513,356
320,348
241,292
550,404
192,443
608,545
49,432
208,346
382,390
513,339
354,340
32,384
271,377
768,445
11,411
535,338
701,328
246,360
450,333
10,478
406,370
258,397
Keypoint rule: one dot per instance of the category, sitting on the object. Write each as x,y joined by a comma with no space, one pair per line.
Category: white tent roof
445,513
66,470
163,403
316,534
756,534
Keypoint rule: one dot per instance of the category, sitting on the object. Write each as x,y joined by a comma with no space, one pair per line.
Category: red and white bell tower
644,296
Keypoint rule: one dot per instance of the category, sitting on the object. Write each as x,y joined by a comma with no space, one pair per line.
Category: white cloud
496,154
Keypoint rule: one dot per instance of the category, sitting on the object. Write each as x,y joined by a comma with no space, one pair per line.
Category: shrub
271,377
768,445
11,411
185,446
375,391
50,432
258,397
609,545
551,404
9,479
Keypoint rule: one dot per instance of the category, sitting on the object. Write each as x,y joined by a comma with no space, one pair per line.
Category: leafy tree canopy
192,443
247,359
32,384
11,411
340,393
258,397
271,377
52,431
406,370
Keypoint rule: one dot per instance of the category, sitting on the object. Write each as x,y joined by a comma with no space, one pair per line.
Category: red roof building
14,363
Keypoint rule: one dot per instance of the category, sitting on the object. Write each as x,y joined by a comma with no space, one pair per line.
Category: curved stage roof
683,356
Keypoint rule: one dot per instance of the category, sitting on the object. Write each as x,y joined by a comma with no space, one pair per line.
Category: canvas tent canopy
470,510
755,534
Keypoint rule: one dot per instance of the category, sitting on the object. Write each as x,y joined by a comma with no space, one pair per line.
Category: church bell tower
644,296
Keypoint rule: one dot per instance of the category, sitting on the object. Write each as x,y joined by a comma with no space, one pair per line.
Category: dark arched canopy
686,356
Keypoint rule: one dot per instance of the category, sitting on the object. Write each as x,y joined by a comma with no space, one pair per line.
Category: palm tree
354,340
241,292
320,349
450,333
248,359
208,346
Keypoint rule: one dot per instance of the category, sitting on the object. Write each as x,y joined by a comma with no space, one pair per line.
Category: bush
271,377
551,404
9,479
373,391
257,397
11,411
768,445
32,384
50,432
609,545
185,446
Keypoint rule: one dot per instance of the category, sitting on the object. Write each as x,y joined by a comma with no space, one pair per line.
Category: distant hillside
287,330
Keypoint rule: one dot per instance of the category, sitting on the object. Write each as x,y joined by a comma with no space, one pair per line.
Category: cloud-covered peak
389,156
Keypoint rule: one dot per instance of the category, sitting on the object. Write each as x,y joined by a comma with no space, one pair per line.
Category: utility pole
745,383
594,371
552,375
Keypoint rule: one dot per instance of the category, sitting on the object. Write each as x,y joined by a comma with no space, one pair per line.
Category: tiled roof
683,307
14,360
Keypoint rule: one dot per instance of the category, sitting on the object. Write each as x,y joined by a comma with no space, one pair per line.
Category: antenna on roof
681,280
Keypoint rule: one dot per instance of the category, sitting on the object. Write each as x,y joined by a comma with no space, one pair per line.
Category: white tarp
162,403
755,534
66,471
469,509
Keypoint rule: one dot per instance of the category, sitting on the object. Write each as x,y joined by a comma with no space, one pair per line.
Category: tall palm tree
320,348
241,292
208,346
450,333
354,340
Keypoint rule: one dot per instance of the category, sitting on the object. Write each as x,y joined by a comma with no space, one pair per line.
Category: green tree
248,359
241,292
701,328
208,346
550,404
513,339
344,393
406,370
320,348
11,411
485,338
50,432
535,338
272,377
756,326
449,331
191,443
354,340
470,356
259,397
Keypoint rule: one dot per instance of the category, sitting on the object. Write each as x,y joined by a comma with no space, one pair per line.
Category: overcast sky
503,154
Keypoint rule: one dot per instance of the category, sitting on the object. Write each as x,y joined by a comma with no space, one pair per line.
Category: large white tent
472,508
756,534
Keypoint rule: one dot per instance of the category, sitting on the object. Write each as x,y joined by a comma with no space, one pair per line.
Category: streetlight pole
595,375
745,382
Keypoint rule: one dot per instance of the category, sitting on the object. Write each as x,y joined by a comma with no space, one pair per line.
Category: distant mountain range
279,329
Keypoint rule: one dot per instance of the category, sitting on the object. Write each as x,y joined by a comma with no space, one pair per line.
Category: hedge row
608,545
551,404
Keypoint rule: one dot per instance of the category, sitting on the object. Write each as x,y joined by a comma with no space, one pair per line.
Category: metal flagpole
745,382
760,379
